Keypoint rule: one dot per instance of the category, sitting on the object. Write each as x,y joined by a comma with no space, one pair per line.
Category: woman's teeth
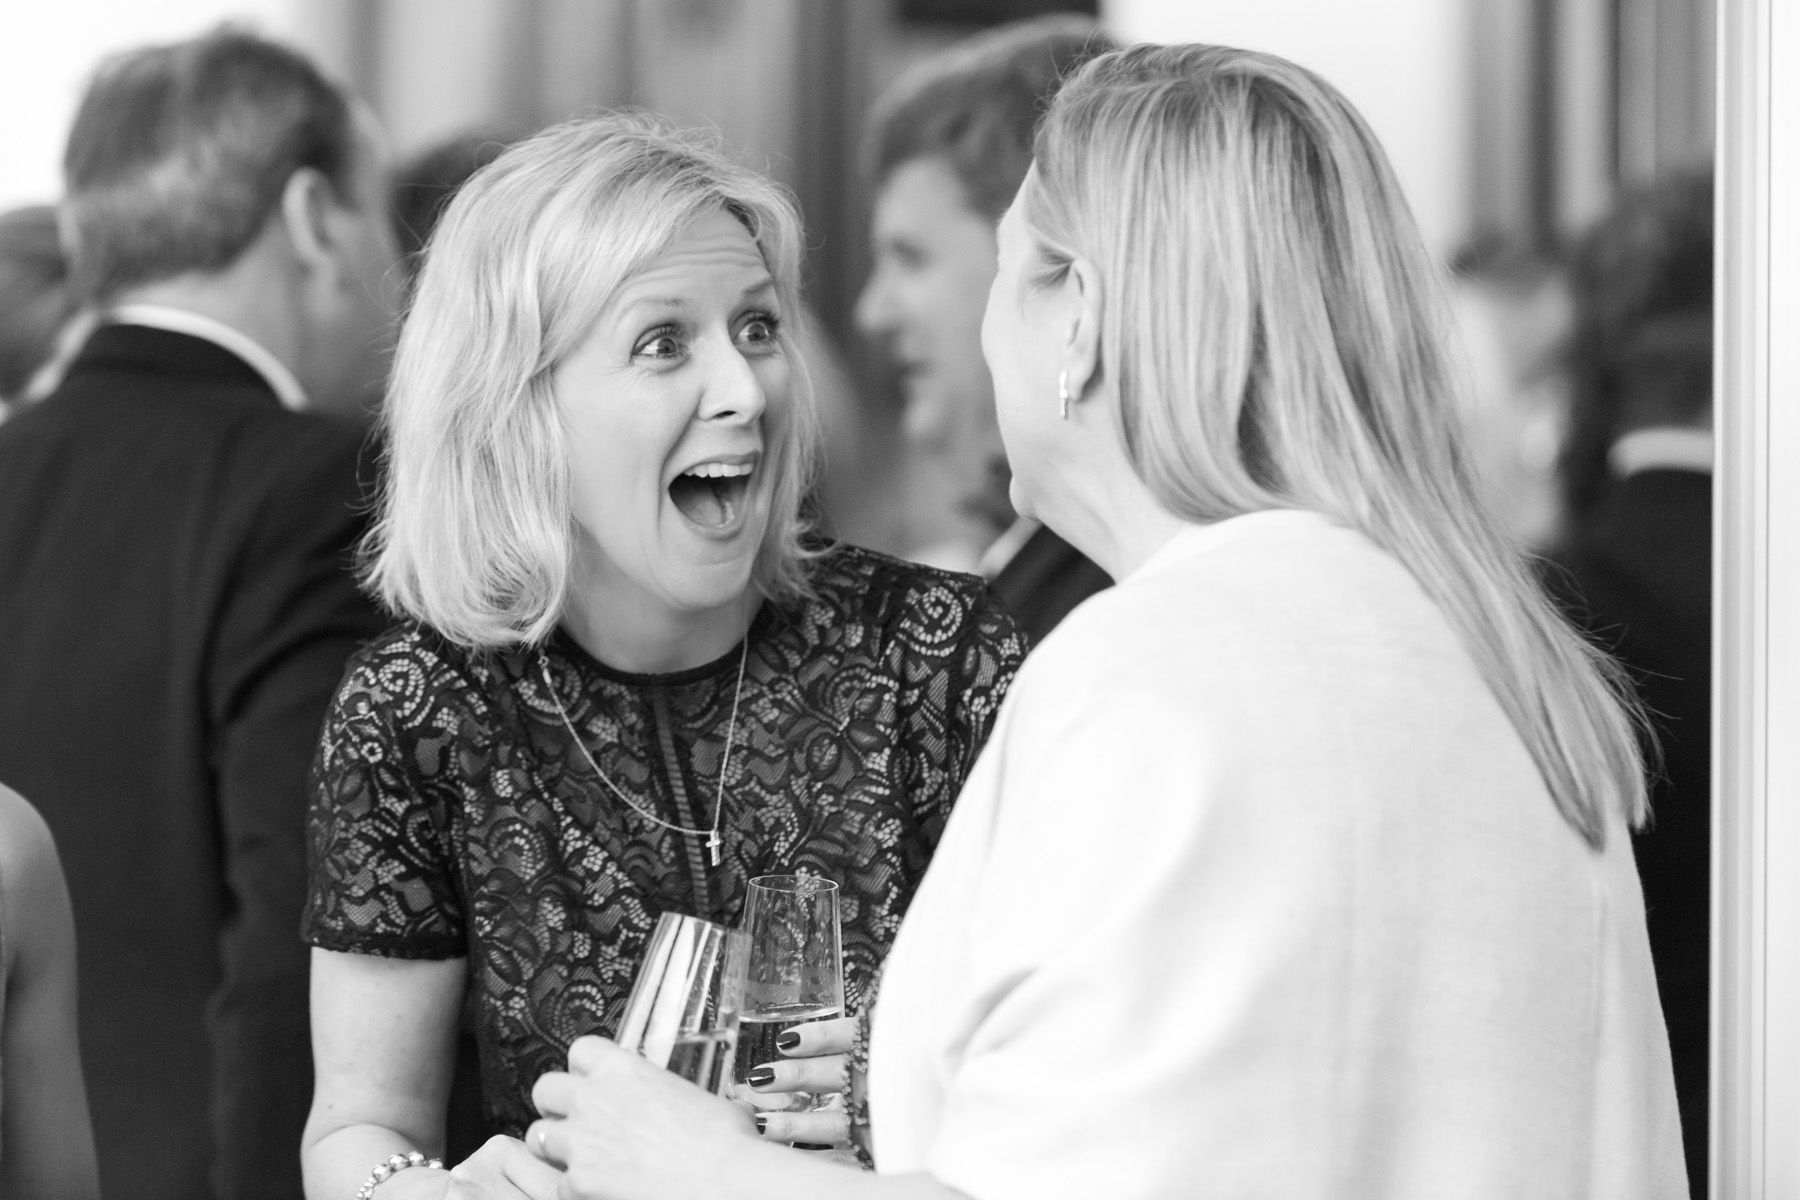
710,494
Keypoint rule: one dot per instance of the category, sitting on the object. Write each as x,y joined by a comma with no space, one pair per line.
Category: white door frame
1756,638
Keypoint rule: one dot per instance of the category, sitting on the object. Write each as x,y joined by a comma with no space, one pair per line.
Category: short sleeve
380,863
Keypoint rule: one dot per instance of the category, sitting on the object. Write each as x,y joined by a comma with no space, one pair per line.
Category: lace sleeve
381,874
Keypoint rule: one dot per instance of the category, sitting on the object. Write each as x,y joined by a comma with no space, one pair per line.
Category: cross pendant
712,848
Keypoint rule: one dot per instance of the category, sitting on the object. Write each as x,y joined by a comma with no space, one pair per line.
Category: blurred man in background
1514,314
1636,564
948,146
176,605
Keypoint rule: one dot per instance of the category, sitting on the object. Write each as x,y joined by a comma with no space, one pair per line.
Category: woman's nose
732,389
874,310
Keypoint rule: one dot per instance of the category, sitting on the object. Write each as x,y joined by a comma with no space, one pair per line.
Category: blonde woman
1297,864
627,680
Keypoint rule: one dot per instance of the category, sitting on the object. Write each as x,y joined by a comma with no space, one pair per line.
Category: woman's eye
760,329
661,343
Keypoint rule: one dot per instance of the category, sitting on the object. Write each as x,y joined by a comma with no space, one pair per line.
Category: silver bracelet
395,1162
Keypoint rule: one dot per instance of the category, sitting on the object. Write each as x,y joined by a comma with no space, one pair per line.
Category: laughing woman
626,681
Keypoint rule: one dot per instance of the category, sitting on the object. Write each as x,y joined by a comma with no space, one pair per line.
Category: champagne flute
684,1004
794,973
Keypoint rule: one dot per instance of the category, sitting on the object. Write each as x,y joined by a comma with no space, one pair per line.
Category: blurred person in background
46,1142
1514,316
425,182
947,145
37,304
627,677
176,602
1635,565
1298,864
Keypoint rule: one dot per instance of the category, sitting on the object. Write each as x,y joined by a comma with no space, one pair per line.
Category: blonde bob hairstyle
1276,334
476,532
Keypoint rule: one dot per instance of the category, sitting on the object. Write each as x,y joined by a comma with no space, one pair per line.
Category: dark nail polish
787,1041
759,1076
762,1123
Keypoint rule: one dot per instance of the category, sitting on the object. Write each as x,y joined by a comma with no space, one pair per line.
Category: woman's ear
1086,304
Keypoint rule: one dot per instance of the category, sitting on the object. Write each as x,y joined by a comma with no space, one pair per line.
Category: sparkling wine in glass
683,1010
794,970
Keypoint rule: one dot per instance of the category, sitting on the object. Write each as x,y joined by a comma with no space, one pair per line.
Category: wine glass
684,1004
794,970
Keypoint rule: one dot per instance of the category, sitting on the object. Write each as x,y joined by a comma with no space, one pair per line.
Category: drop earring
1062,392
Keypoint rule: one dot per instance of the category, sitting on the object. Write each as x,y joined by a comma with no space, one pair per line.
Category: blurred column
1665,85
1583,62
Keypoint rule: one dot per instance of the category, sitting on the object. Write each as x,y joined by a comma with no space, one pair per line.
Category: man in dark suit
1635,567
948,146
176,604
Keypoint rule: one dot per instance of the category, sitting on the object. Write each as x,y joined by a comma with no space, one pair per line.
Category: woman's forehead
714,252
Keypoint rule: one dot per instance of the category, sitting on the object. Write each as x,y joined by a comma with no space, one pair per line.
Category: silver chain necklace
713,841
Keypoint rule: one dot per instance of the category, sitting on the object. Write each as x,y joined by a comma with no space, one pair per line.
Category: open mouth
711,495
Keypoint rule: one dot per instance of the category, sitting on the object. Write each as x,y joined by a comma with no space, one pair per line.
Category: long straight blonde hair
1276,333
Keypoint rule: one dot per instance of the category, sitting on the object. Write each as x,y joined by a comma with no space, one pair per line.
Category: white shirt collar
1194,539
1662,447
275,373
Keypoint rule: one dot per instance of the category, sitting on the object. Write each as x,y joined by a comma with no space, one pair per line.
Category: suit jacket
1637,574
1044,582
175,612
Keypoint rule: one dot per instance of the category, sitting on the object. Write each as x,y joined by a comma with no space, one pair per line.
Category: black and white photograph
899,600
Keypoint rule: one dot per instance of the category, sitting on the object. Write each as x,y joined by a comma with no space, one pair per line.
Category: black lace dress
452,815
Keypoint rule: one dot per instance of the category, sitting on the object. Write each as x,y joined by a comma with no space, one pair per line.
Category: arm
384,1043
291,620
46,1142
628,1130
383,1035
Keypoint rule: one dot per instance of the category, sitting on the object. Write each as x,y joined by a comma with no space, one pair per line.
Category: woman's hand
813,1063
622,1127
502,1169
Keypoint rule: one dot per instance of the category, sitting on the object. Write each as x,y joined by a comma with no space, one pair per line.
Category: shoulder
408,655
906,599
305,457
1265,605
30,873
409,688
1262,571
24,837
409,673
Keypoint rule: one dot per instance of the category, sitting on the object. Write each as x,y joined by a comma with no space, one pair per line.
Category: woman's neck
1112,518
641,639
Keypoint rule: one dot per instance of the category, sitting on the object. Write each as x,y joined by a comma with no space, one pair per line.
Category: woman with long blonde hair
1297,863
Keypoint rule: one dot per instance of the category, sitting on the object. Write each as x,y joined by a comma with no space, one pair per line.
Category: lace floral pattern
452,815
